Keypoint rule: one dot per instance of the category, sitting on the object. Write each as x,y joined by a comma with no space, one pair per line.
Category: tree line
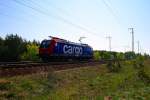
15,48
106,55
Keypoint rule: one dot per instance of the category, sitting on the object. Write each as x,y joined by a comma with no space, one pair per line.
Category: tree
120,55
11,48
130,55
2,49
31,53
106,55
36,42
96,55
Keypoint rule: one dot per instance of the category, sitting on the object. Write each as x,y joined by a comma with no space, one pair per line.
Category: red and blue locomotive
58,49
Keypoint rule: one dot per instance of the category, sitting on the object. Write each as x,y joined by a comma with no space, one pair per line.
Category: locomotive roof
65,41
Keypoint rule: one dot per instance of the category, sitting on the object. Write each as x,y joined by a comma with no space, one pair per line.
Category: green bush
96,55
120,56
114,66
138,63
130,55
144,76
31,53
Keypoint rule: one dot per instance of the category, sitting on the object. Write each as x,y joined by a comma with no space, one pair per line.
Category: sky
72,19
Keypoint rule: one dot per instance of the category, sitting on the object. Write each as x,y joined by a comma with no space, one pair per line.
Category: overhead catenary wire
82,27
12,16
113,12
55,17
52,5
110,4
64,12
20,12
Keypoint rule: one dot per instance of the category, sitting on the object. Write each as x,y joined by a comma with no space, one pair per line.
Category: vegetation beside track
86,83
16,48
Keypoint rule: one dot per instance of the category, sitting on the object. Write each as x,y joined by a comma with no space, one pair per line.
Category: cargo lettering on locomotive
67,49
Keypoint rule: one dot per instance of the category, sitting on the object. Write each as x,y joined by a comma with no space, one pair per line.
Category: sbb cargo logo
67,49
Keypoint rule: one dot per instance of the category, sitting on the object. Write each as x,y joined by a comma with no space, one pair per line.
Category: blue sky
71,19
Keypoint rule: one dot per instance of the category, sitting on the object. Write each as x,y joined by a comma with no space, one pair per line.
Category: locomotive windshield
45,44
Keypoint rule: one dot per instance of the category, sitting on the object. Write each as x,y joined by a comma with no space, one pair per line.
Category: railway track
8,69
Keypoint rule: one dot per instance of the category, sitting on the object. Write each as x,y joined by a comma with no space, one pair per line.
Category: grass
87,83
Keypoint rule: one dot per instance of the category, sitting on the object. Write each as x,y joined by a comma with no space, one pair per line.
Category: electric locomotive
60,49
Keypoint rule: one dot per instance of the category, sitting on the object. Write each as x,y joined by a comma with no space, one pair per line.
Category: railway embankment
94,82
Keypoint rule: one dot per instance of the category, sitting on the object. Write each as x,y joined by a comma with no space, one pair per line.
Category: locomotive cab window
45,44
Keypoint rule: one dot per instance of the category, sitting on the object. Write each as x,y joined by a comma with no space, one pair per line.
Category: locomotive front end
46,49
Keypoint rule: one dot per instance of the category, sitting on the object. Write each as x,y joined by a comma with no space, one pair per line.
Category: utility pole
109,38
138,46
132,32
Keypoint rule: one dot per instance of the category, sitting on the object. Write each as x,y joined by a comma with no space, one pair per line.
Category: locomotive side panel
68,50
87,52
72,50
